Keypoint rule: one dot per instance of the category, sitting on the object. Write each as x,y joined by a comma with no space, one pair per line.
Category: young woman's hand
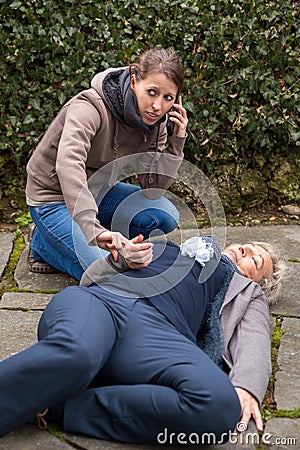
179,117
250,409
136,253
131,260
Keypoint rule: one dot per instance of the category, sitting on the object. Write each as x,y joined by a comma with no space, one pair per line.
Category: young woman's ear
132,80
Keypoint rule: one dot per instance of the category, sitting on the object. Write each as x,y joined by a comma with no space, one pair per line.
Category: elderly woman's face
252,260
155,96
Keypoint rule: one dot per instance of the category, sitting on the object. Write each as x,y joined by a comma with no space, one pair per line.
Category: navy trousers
123,370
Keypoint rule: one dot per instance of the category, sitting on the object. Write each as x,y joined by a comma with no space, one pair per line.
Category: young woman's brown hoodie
84,137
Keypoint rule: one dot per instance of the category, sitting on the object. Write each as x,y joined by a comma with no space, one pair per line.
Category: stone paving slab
287,238
25,300
289,301
287,386
281,433
31,438
20,313
6,246
17,331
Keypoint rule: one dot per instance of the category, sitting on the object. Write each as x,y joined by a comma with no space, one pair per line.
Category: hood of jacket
97,80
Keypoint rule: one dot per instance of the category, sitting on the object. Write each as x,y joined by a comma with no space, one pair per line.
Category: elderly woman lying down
178,347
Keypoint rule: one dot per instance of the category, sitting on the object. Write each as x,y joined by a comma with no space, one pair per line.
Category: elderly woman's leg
155,385
76,336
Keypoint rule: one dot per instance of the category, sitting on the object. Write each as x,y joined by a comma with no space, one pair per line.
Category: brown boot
34,265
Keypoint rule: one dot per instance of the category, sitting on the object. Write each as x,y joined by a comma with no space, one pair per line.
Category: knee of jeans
149,220
168,223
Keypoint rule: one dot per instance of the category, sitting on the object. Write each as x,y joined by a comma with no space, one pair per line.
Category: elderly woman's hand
250,408
136,253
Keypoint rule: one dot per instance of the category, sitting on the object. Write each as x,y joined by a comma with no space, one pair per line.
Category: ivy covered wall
242,81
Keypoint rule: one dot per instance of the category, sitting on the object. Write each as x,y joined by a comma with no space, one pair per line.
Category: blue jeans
60,242
123,371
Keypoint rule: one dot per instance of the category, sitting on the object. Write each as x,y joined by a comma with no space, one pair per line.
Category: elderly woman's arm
249,354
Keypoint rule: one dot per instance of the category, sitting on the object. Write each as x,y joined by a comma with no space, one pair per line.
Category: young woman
146,355
123,115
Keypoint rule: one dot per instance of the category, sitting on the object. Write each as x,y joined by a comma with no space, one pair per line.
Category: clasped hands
136,253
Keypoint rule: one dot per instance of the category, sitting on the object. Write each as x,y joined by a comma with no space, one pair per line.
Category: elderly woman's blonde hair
272,284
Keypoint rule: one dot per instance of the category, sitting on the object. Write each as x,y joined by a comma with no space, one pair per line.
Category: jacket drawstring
155,159
114,170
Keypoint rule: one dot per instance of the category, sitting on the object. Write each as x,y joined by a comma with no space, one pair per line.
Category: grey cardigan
245,320
245,323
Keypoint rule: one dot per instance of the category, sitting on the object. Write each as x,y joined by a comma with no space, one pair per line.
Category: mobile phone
170,124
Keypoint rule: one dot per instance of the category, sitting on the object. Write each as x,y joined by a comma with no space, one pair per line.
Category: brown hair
160,60
271,285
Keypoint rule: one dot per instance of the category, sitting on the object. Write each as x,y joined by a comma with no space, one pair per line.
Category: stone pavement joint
20,313
6,245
